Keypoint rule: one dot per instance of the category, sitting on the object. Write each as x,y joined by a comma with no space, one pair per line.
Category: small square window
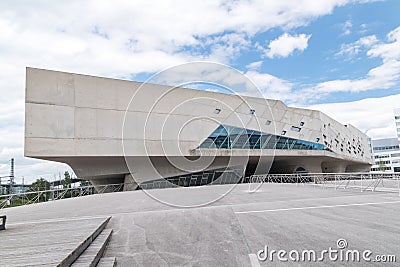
302,123
295,129
217,110
252,111
268,122
283,133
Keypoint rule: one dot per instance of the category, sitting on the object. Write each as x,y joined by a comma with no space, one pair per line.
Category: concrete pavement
224,233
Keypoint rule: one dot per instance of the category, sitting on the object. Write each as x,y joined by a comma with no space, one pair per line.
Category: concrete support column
311,165
130,183
340,168
105,185
314,167
334,167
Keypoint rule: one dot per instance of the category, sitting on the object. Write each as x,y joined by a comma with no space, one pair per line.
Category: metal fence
232,176
383,182
30,197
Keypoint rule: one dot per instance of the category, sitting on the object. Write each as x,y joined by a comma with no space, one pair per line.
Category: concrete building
387,150
114,131
16,189
397,121
386,155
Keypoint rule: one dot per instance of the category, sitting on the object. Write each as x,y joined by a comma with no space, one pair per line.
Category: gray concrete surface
92,255
224,233
56,242
84,120
107,262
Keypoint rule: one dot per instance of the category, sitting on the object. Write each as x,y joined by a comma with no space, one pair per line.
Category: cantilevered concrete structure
110,131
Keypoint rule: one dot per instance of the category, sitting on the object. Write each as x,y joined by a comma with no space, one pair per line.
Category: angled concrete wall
79,120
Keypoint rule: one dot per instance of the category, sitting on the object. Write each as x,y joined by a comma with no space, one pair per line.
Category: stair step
107,262
91,256
83,245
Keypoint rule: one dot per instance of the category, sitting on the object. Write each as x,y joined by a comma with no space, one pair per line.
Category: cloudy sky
338,56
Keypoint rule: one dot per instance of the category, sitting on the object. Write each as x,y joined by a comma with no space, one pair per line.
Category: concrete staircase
92,255
107,262
54,242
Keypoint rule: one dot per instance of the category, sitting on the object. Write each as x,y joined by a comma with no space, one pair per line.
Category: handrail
30,197
363,181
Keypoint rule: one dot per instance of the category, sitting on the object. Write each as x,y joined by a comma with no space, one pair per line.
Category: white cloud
270,86
225,47
11,138
254,65
252,83
286,44
373,116
124,38
383,76
346,27
355,48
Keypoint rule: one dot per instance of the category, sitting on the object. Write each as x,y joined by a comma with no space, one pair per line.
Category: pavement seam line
254,260
317,207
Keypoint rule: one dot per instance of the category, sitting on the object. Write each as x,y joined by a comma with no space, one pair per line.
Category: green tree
40,184
66,182
381,166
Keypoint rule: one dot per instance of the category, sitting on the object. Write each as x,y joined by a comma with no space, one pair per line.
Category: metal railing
231,176
30,197
383,182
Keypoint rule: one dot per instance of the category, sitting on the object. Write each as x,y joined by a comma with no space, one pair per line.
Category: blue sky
322,60
339,56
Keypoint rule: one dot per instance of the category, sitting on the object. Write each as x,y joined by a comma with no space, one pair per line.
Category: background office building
387,150
397,121
386,155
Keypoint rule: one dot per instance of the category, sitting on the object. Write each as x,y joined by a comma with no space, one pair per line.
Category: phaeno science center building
116,131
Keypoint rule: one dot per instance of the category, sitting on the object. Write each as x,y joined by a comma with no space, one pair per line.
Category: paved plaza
231,230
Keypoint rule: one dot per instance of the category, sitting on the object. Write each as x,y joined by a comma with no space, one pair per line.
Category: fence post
362,176
335,182
398,183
